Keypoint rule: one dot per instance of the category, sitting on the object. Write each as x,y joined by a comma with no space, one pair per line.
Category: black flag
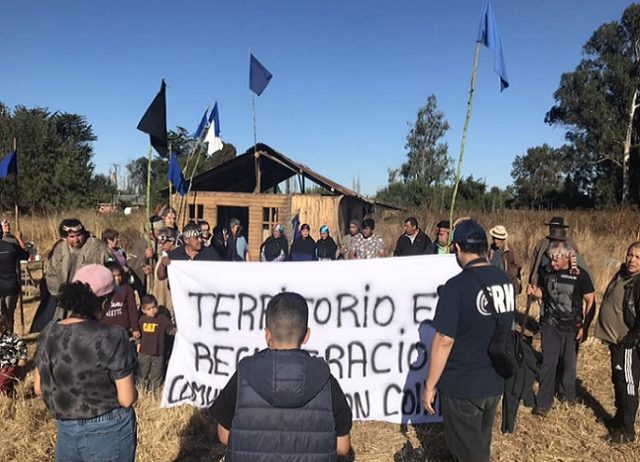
154,122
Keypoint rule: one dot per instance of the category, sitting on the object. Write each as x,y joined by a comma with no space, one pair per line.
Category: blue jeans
110,437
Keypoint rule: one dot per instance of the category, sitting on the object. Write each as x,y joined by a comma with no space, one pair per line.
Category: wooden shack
256,187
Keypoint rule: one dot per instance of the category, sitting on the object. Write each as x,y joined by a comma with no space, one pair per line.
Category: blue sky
349,76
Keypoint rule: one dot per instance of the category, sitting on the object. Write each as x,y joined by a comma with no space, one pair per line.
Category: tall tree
428,159
598,104
538,175
54,160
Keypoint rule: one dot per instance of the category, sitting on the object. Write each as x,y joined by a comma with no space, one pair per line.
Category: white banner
368,320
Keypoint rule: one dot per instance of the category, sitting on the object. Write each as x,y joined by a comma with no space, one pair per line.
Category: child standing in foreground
13,353
153,327
122,309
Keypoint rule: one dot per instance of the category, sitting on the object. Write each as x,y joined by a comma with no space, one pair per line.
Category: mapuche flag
212,137
154,122
202,126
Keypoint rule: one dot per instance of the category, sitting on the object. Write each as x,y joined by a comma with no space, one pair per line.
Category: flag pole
149,183
256,162
17,216
256,155
474,74
170,195
17,222
184,201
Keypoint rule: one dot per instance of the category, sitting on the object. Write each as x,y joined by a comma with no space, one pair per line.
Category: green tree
538,175
428,160
598,105
188,160
55,169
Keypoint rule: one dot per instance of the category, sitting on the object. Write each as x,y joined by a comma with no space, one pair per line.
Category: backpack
503,347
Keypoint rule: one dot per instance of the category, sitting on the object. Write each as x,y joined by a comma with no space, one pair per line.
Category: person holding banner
470,306
275,247
282,403
369,245
193,249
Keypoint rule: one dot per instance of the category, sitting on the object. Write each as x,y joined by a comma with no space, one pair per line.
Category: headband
191,233
73,228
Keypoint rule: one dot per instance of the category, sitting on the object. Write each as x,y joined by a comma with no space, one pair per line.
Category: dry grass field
185,434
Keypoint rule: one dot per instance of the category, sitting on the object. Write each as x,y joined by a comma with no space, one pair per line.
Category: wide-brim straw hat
499,232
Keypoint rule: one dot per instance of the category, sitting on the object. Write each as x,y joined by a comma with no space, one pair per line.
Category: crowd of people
107,325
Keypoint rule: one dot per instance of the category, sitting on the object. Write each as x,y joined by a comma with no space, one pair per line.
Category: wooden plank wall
317,210
255,203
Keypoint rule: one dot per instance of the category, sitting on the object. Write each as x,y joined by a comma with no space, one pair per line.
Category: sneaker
621,438
540,411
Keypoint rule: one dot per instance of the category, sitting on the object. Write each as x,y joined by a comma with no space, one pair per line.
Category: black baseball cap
469,232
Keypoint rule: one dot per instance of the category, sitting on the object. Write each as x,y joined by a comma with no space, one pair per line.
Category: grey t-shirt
78,365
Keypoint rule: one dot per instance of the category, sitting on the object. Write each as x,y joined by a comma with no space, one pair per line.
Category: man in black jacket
413,242
10,256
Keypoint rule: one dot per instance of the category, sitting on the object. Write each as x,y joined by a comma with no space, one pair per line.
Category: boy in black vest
283,404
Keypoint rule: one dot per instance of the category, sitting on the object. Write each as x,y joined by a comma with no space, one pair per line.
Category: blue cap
469,232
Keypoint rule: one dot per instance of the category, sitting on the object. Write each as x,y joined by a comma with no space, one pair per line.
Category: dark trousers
8,305
467,427
625,374
558,347
150,371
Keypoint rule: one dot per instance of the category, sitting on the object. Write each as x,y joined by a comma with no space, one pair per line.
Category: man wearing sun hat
502,254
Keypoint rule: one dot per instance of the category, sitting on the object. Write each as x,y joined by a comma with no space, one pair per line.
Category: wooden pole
149,277
256,155
474,74
17,223
149,183
170,186
17,215
186,198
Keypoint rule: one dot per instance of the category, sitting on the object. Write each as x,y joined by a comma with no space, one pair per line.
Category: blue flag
9,164
201,127
259,76
295,224
175,175
489,36
215,118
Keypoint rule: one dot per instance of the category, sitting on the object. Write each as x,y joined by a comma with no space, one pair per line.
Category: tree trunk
627,149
